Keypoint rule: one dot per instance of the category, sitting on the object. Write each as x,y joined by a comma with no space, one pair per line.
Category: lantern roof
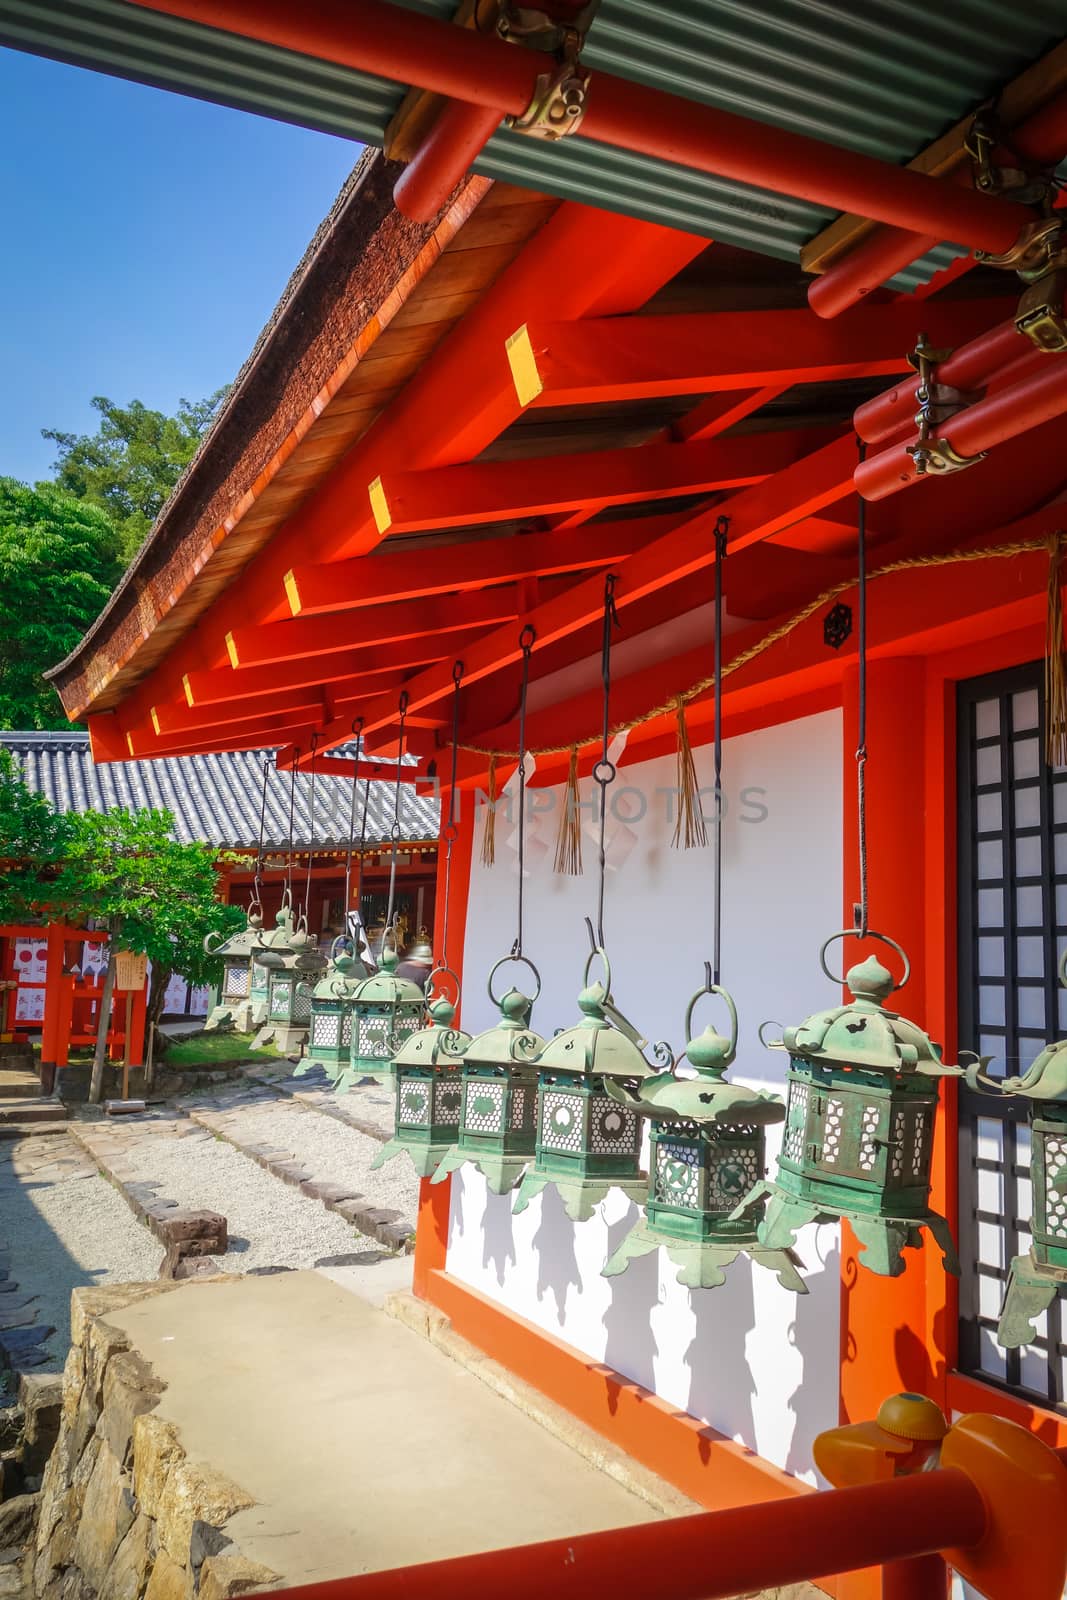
594,1045
424,1048
342,977
386,987
865,1033
511,1042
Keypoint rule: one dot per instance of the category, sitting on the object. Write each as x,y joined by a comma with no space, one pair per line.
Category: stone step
18,1082
31,1130
36,1110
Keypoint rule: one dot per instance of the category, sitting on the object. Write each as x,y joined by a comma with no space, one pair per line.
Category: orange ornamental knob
907,1433
912,1416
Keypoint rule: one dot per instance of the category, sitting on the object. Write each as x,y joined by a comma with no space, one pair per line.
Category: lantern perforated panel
1012,930
678,1169
415,1104
325,1028
238,982
483,1107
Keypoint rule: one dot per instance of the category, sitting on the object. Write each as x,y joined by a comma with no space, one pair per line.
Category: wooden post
126,1045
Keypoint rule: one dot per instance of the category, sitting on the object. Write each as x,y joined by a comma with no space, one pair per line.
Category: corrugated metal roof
885,78
216,798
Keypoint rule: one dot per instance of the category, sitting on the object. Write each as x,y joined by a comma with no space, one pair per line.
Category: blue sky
144,240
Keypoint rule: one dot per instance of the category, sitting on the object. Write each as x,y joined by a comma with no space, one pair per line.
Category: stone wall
123,1513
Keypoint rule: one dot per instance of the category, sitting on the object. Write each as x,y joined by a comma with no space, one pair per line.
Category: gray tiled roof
216,798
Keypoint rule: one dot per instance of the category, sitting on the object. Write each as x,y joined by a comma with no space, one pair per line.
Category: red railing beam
429,53
712,1556
454,142
1040,139
1037,398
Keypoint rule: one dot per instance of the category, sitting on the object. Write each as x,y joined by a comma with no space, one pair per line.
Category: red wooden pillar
64,1017
885,1331
56,949
431,1237
137,1025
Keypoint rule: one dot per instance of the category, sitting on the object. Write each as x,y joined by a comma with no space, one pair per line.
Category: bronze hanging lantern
332,999
707,1151
235,1006
1037,1277
588,1136
858,1143
385,1010
498,1113
428,1084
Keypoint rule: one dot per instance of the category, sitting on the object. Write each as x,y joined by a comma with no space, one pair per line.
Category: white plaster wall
755,1362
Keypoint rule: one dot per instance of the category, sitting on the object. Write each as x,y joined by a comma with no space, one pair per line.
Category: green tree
59,561
33,841
129,466
156,896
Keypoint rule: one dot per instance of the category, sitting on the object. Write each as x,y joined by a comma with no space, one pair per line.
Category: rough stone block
130,1390
18,1520
107,1513
179,1225
12,1421
42,1403
195,1493
127,1573
226,1576
156,1450
169,1581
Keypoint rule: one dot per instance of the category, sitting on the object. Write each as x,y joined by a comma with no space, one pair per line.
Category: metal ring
440,970
457,672
346,941
450,833
714,988
287,900
768,1044
1063,969
395,832
597,950
604,765
853,933
523,961
528,637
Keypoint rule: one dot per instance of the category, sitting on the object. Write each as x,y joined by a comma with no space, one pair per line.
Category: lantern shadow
721,1385
631,1346
498,1235
557,1269
808,1333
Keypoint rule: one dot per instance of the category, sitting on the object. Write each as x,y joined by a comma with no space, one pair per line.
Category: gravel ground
58,1234
329,1149
372,1103
270,1224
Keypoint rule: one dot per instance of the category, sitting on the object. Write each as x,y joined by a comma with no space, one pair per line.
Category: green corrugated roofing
885,77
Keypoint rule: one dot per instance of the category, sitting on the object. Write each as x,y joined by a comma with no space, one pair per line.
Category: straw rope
998,552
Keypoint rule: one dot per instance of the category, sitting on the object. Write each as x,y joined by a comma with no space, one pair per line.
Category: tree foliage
59,561
33,841
129,466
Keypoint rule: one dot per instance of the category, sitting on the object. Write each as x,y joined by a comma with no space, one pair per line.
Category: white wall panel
757,1363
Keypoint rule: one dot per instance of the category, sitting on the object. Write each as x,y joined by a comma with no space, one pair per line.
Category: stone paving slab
367,1107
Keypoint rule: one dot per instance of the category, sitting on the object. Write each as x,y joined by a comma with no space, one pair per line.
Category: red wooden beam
225,684
178,718
722,411
414,619
487,491
639,357
383,578
273,733
798,490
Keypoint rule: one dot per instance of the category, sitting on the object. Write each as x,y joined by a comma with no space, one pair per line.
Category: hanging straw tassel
1055,673
489,831
569,838
689,830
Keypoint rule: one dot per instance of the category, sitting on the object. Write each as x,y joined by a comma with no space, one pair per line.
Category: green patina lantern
498,1113
1036,1278
429,1086
330,1025
386,1010
863,1089
707,1151
236,1003
587,1140
291,958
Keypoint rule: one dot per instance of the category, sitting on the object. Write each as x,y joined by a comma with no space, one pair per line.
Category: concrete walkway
364,1446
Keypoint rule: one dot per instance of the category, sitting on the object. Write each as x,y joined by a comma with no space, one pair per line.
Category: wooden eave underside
609,391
